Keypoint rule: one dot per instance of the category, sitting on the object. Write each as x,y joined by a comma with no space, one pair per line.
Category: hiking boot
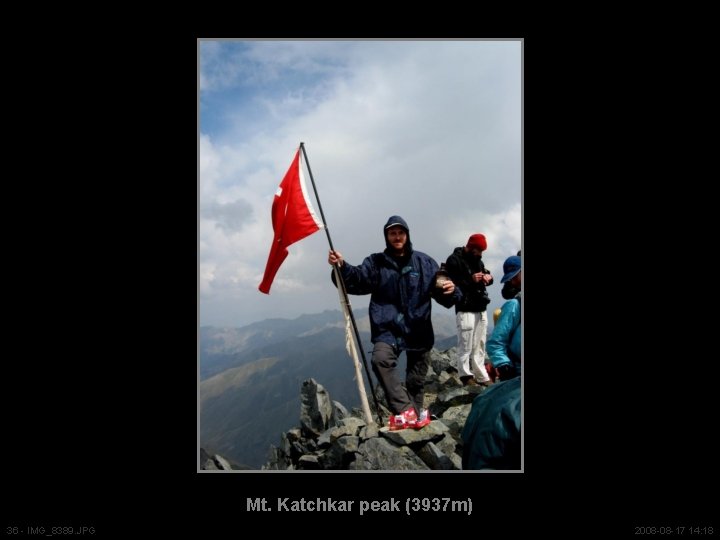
469,380
423,420
404,420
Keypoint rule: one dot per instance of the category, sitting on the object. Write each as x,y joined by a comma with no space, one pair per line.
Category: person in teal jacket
504,346
492,435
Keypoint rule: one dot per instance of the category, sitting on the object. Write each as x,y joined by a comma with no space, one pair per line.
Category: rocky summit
330,437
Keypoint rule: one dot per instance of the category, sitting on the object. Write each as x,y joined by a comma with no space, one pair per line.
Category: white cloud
426,130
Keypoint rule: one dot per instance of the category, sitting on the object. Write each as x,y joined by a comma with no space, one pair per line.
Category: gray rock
433,387
294,434
204,456
358,413
434,458
439,361
316,409
368,432
348,444
324,439
457,461
449,380
352,423
311,445
297,450
380,395
278,460
214,463
340,454
383,410
285,444
343,431
222,463
435,430
454,396
446,445
454,418
340,411
209,465
309,462
429,400
379,454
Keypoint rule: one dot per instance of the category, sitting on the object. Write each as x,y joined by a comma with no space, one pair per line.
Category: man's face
397,237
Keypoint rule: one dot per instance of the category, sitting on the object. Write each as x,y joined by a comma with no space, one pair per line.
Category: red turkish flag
293,219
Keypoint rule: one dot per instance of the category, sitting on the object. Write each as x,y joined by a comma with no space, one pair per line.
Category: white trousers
472,334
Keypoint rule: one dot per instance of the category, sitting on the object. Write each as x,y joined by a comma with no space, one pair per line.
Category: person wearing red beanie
467,270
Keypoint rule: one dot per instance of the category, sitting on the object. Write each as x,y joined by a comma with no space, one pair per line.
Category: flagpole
346,301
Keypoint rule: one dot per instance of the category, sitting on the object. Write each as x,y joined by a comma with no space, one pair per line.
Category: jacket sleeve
457,273
452,268
445,300
358,279
497,345
484,269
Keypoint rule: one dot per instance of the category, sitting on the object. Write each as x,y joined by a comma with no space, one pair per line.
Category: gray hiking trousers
384,363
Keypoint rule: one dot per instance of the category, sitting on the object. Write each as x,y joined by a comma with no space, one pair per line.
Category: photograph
360,235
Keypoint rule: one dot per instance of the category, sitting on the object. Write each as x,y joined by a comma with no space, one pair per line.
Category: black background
100,381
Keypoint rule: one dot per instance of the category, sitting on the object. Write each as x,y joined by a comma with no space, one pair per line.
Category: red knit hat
477,241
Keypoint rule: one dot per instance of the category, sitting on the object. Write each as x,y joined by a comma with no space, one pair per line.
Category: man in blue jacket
401,283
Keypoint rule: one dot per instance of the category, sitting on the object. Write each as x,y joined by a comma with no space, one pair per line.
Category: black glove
506,372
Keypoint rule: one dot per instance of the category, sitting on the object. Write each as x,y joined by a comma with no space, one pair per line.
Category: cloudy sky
428,130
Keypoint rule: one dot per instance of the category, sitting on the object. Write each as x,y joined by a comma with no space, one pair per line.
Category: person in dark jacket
467,270
492,433
401,282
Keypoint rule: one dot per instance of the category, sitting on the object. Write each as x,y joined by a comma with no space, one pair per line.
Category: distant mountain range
250,377
222,348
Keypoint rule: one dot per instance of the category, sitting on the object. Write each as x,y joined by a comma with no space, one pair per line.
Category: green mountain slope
251,377
244,410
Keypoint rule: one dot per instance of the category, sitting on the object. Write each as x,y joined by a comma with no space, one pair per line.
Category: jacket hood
397,220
